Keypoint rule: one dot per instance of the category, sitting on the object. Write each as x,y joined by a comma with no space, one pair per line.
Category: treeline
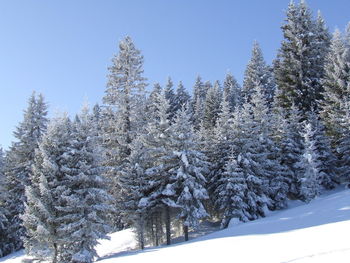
162,161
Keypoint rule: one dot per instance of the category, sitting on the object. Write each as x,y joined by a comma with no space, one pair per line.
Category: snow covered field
314,233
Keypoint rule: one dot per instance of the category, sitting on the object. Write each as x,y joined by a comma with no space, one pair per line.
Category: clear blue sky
62,48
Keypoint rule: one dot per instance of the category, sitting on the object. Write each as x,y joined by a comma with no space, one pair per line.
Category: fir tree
182,98
136,185
86,203
343,148
246,147
327,161
198,101
212,106
156,142
171,97
298,71
291,149
265,155
232,92
189,172
219,149
231,193
152,101
308,168
124,114
336,82
257,72
43,217
19,161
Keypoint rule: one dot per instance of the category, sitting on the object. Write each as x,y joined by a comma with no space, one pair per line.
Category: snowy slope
316,232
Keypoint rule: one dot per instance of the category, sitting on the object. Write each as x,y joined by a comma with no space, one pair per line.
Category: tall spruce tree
152,101
299,70
336,84
157,139
182,97
171,97
232,92
270,170
343,147
212,106
291,149
198,102
44,216
231,192
257,72
218,148
245,148
19,161
86,201
189,171
135,181
327,161
308,167
124,113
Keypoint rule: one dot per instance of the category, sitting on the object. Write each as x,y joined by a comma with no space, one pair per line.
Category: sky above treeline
63,48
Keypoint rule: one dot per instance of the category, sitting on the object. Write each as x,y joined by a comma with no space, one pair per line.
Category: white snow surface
317,232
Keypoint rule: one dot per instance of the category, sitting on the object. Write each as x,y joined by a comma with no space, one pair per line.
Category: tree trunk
55,253
186,232
141,233
167,225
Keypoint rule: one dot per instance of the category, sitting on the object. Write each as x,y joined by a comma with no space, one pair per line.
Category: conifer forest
160,159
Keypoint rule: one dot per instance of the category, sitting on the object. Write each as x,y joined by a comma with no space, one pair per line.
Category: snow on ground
305,233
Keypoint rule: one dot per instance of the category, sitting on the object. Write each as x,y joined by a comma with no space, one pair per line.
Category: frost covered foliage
308,167
231,192
67,202
42,218
189,171
336,83
299,66
18,165
163,162
258,72
5,244
123,115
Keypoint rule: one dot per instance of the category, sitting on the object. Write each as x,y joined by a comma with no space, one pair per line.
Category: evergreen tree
280,183
343,148
135,181
157,141
124,114
182,98
246,150
232,92
336,83
327,161
308,167
231,192
212,106
300,55
152,101
198,101
86,204
46,196
265,155
257,72
291,149
19,161
218,148
189,172
171,97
